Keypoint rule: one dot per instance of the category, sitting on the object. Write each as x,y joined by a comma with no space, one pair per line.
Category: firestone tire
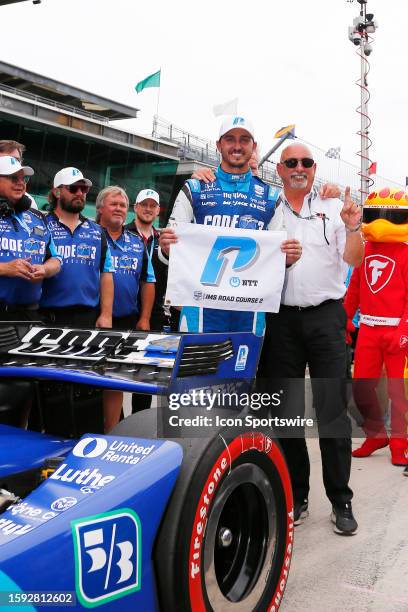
226,540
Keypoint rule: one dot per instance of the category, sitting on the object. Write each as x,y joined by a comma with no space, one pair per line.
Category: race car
150,516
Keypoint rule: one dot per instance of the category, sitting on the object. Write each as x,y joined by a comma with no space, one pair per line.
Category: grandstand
194,151
62,125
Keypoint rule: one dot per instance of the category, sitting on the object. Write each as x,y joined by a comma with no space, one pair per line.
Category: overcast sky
287,62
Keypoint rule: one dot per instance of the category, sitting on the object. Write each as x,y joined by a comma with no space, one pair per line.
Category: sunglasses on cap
75,188
14,178
292,162
397,216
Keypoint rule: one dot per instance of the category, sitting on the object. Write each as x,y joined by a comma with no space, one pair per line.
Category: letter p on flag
247,254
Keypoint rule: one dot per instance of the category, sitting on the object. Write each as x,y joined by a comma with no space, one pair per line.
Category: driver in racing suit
235,198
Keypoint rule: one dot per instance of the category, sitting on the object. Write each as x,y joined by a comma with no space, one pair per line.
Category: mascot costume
380,288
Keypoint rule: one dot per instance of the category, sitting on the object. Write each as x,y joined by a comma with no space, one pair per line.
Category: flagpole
274,148
158,96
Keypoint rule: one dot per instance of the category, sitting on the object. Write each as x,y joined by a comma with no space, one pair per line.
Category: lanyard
311,216
146,241
22,223
150,270
312,195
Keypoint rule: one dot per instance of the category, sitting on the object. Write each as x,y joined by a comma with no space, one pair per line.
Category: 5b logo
107,551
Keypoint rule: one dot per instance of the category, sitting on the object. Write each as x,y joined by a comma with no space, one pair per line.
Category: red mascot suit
379,287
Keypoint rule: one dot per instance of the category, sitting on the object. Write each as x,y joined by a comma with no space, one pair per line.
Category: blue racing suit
232,200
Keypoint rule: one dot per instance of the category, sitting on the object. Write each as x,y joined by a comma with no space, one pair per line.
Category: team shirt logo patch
378,271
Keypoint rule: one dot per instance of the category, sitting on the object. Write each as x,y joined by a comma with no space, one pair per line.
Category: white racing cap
69,176
147,194
10,165
233,122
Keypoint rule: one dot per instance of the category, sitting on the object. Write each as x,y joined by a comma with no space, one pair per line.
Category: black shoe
343,519
405,472
300,512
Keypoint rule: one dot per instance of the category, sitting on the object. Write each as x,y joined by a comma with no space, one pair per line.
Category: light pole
358,33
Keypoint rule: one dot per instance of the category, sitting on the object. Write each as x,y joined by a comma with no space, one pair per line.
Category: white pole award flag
226,268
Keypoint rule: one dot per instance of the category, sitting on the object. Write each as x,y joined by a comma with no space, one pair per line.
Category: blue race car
150,516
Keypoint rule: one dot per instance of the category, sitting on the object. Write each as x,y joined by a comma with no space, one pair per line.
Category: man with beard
147,209
82,294
310,330
237,199
27,254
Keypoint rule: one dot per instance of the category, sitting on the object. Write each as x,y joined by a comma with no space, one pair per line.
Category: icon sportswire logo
247,253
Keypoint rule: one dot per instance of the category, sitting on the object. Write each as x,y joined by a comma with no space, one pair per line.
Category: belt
373,321
284,306
17,307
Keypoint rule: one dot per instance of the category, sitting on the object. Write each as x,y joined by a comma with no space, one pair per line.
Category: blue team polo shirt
23,235
131,267
86,255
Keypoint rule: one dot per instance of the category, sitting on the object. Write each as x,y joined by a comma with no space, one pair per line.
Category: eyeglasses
75,188
397,216
14,178
292,162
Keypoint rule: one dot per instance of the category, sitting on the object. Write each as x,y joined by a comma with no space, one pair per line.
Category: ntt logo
90,447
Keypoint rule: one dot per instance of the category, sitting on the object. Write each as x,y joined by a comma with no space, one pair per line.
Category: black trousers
140,401
314,336
71,316
84,412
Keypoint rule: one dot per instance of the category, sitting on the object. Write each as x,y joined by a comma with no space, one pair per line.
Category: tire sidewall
222,456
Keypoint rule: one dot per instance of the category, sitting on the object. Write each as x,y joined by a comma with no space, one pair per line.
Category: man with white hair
133,282
133,274
309,330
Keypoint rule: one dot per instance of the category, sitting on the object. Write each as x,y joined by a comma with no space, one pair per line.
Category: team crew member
131,279
27,253
147,209
15,149
235,198
310,327
130,261
82,295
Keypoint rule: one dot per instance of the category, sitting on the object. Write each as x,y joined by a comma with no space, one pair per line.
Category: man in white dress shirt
310,328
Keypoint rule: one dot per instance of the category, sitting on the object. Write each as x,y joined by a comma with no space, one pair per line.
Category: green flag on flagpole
152,80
